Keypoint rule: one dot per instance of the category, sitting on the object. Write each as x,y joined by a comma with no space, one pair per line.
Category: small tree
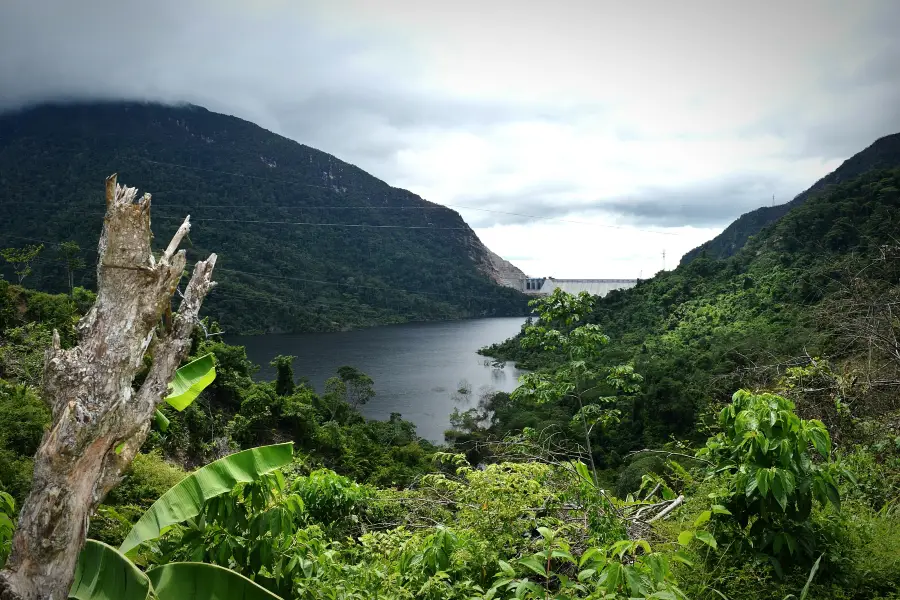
333,400
360,387
764,459
578,376
21,259
284,378
71,254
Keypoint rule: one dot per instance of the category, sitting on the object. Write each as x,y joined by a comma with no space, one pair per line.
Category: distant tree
359,386
333,401
561,327
21,259
284,379
71,254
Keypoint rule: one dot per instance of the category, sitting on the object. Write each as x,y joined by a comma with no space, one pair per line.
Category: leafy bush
23,419
22,352
630,478
328,497
625,570
148,478
7,525
767,474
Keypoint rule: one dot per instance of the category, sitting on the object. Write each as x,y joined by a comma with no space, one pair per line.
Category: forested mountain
818,282
883,154
306,241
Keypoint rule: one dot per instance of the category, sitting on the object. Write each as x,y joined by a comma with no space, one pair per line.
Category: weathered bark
99,422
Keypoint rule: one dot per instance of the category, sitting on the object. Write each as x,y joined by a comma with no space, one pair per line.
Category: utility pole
664,260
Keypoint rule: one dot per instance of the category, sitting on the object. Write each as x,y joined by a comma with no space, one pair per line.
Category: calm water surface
417,367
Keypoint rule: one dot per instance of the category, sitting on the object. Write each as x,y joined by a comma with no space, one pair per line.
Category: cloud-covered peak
657,116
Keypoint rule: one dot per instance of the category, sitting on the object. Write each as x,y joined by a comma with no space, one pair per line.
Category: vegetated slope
883,154
712,326
306,241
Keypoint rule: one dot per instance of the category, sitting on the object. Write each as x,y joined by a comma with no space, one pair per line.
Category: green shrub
23,419
769,479
22,352
16,473
7,525
629,479
328,497
148,478
111,524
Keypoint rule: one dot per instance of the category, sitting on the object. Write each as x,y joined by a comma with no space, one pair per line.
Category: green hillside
816,283
884,153
306,242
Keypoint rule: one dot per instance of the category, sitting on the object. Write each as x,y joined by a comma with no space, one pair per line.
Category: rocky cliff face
501,271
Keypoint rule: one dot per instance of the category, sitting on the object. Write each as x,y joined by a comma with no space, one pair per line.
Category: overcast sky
629,128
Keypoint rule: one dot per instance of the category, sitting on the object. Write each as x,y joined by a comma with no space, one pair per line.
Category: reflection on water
422,370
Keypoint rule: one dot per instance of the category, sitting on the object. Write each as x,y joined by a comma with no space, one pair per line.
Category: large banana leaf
104,574
184,500
200,581
190,380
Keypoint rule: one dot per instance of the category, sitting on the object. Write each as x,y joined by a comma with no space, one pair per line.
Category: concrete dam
543,286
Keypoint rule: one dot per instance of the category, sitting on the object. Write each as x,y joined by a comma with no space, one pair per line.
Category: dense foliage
800,290
234,412
624,466
255,199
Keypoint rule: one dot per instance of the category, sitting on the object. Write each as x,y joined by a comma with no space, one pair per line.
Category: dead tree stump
99,421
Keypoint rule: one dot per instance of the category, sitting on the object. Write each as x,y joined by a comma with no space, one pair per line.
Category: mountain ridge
307,242
882,153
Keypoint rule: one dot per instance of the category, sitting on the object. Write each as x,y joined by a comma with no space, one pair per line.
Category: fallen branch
662,514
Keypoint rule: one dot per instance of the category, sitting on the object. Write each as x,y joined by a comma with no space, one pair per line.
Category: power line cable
388,288
435,206
438,206
305,223
301,223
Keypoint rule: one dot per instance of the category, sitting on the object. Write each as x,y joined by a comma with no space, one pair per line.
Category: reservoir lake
417,367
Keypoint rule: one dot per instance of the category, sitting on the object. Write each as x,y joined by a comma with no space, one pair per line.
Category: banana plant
103,573
189,381
185,499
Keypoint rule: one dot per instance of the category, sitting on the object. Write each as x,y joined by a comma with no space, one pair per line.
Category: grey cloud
406,108
369,126
548,200
356,97
858,100
704,204
359,97
844,127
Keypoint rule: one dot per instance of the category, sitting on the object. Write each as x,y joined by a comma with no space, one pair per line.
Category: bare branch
668,453
662,514
176,239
